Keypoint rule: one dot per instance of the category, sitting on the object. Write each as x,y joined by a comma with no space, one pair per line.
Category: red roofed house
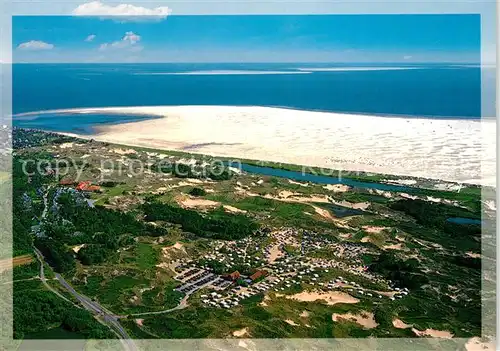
234,276
257,275
86,186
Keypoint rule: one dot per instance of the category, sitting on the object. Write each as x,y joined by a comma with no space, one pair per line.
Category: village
271,268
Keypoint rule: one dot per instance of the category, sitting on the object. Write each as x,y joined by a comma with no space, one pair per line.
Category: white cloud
91,37
126,12
407,57
35,45
129,41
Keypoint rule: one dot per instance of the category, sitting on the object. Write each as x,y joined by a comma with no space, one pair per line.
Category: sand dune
331,298
447,149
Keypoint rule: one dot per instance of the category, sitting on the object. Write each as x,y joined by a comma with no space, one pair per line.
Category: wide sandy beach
446,149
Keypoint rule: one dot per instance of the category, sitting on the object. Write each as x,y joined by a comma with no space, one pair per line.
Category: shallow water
78,123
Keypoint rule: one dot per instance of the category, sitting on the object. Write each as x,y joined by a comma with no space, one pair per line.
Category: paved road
108,318
182,304
39,256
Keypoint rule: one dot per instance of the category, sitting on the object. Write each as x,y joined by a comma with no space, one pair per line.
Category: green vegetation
181,170
216,224
125,266
38,311
26,271
197,192
402,273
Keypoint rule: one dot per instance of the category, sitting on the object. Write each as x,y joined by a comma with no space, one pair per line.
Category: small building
233,276
87,186
258,275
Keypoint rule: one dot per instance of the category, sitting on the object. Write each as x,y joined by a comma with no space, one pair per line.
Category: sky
95,32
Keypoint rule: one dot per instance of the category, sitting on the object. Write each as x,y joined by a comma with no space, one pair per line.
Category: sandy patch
124,151
194,181
177,246
433,333
233,209
331,298
398,323
240,333
304,314
312,198
286,194
365,319
139,322
365,239
373,230
275,253
163,265
323,213
408,196
337,188
77,248
417,147
297,183
401,181
66,146
289,321
393,247
194,202
473,255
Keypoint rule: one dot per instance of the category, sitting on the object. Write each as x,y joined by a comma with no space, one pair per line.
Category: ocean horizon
400,90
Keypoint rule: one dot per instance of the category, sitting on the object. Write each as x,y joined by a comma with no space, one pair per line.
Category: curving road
105,316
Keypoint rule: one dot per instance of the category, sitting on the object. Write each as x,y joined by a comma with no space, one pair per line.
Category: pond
461,220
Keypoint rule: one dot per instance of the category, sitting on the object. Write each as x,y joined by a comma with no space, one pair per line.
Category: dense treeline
182,170
430,214
56,254
26,204
403,273
101,229
216,224
36,310
22,138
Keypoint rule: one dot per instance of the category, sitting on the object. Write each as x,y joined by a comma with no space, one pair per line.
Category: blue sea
434,91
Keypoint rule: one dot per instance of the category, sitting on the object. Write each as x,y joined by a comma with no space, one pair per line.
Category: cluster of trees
182,170
405,273
216,224
36,309
31,138
103,230
56,254
26,204
197,192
